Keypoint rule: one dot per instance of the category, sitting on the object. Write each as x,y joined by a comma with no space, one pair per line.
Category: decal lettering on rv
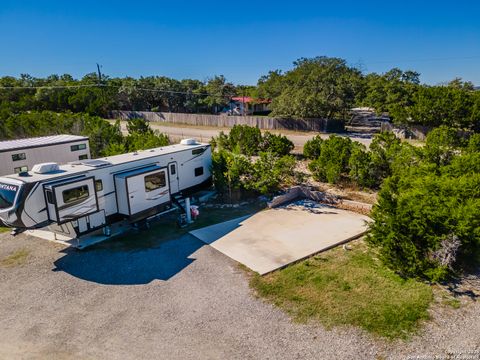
8,187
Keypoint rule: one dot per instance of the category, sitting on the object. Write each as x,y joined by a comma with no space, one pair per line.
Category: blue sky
241,40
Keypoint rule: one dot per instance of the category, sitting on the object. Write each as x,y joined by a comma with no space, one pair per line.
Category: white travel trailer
88,195
20,155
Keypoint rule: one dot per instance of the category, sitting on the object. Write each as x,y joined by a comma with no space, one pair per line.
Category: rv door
71,200
173,176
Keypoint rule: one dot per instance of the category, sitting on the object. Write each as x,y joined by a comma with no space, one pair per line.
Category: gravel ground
177,300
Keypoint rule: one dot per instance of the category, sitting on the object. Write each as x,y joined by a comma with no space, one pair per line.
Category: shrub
441,145
248,140
360,165
229,170
138,125
332,163
312,148
269,172
277,144
416,213
473,144
383,149
426,222
245,139
221,142
265,175
148,140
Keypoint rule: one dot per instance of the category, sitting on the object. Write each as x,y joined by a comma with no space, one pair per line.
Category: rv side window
98,185
20,156
199,171
20,169
83,157
75,194
198,151
78,147
155,181
49,197
172,169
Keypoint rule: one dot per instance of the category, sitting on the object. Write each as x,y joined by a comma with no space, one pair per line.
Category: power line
423,60
49,87
105,85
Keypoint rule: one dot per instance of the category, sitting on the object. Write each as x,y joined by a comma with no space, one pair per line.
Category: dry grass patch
348,288
16,258
4,229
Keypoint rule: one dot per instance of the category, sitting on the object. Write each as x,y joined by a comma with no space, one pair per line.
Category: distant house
20,155
246,105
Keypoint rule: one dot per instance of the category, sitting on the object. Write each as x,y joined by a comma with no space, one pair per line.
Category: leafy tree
195,91
458,83
102,135
319,87
219,92
390,92
442,105
270,86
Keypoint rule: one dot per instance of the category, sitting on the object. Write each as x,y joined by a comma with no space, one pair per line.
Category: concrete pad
274,238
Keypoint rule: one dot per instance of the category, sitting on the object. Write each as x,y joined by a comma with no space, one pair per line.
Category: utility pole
99,74
243,102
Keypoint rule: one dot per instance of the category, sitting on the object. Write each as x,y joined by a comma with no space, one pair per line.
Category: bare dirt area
175,299
344,191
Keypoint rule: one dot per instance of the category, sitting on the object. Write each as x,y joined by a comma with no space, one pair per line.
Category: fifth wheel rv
85,196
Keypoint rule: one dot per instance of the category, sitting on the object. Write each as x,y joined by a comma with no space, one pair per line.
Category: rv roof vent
189,142
96,163
45,168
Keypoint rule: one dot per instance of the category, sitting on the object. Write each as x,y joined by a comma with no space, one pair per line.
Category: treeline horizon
320,87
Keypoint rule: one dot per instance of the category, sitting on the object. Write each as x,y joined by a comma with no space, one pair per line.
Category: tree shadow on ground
127,266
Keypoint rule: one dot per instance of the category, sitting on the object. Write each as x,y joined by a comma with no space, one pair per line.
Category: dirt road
204,134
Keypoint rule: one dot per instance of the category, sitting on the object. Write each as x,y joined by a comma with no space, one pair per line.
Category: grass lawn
4,229
342,287
165,228
16,258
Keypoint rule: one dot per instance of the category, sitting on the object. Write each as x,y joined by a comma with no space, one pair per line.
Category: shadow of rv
130,267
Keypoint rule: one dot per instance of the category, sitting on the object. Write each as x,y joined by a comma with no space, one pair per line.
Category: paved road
206,133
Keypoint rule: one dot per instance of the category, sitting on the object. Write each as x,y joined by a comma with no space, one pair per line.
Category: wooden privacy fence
262,122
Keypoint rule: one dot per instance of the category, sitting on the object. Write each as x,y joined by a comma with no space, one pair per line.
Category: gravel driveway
178,299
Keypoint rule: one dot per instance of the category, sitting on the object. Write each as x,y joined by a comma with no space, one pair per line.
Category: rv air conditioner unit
189,142
45,168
